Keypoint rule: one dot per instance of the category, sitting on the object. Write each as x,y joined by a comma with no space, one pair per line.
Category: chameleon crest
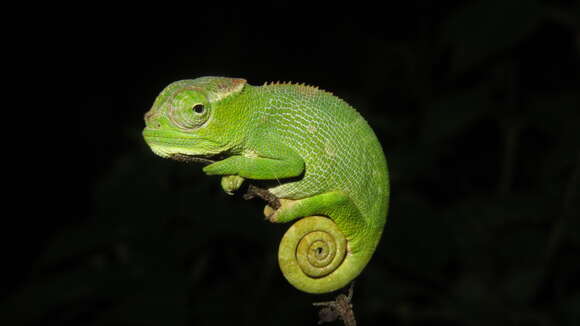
309,154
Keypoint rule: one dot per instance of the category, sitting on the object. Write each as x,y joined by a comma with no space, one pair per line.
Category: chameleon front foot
231,183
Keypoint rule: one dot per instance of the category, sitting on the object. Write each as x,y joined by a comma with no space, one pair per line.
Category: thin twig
341,308
254,191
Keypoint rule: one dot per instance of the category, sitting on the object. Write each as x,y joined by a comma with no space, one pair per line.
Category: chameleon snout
152,120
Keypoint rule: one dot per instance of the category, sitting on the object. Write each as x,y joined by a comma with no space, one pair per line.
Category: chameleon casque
312,154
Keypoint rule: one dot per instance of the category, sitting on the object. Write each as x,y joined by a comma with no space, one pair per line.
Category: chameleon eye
189,109
198,108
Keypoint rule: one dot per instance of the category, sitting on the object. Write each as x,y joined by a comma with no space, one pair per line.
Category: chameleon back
339,148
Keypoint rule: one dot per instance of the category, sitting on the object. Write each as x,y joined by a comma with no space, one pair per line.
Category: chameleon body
309,149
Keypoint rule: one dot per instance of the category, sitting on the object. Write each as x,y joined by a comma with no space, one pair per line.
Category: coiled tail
314,256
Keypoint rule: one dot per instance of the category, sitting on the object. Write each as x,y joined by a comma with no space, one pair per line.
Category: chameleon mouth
153,138
199,158
204,159
180,148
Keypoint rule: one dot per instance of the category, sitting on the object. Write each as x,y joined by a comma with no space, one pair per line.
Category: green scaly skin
313,151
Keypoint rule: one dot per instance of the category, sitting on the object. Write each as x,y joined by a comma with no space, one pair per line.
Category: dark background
476,105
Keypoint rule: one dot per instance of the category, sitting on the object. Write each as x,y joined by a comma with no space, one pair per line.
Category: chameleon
313,156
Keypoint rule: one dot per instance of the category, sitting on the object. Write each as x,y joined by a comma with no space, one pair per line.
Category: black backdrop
476,106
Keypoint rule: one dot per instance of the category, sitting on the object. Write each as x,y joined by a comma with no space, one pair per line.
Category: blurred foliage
478,113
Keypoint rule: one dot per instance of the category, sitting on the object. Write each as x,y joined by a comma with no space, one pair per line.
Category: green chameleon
309,154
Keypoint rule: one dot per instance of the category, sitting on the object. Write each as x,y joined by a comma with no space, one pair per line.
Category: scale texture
310,149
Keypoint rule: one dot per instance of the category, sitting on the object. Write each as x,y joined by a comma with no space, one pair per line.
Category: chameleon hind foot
271,213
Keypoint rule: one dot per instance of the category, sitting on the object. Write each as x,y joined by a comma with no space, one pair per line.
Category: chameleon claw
231,183
270,214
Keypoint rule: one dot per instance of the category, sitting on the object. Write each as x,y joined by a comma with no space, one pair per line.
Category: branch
341,308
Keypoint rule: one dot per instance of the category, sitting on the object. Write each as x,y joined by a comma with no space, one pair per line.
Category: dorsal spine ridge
289,83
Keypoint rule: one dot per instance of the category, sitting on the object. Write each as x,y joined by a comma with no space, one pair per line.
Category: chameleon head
189,117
